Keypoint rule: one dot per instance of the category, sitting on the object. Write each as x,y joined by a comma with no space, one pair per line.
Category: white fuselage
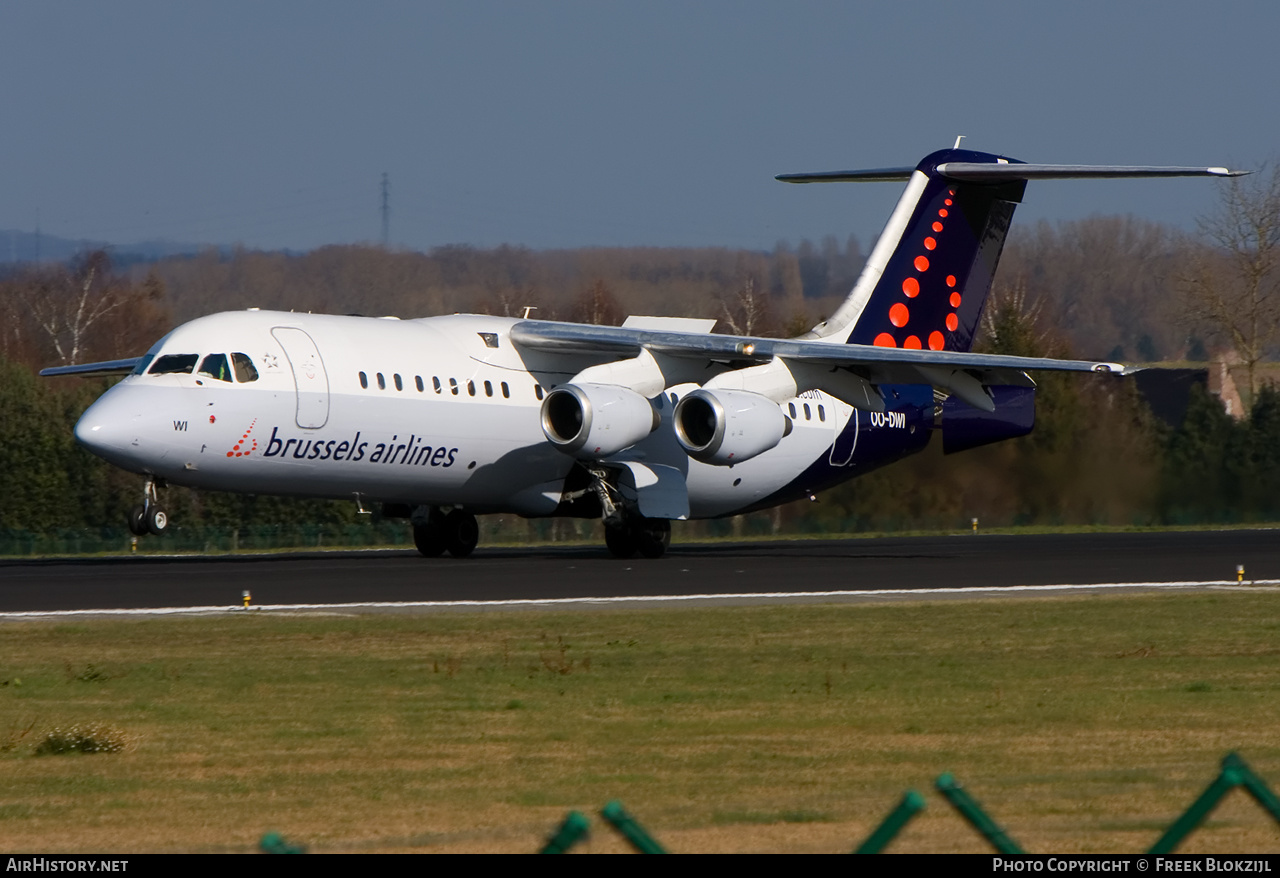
439,411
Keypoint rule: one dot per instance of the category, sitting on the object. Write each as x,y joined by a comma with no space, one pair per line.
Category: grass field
1082,724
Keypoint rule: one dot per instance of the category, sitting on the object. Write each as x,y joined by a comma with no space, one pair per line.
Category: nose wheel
148,517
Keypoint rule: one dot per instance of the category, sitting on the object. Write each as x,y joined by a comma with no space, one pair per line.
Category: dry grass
1083,725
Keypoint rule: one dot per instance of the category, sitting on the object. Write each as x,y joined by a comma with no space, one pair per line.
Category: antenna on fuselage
527,309
958,139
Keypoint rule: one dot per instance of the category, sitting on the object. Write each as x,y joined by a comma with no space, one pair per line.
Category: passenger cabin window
453,386
435,382
382,382
537,391
807,416
791,407
364,381
488,389
822,413
174,364
245,370
215,366
506,391
417,379
399,383
471,388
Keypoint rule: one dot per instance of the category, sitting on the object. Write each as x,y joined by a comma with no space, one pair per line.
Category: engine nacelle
592,421
724,427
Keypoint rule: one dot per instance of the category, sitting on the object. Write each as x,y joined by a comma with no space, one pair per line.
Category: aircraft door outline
841,456
309,376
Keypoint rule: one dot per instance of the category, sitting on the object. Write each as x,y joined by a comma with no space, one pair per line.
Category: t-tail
926,281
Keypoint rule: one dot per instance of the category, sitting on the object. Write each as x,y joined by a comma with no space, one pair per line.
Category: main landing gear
148,517
435,532
626,531
648,536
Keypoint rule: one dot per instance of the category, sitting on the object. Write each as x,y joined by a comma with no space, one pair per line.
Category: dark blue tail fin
927,278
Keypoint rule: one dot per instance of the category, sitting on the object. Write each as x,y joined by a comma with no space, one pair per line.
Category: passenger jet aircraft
441,419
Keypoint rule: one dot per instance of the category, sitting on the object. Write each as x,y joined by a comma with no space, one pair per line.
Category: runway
499,577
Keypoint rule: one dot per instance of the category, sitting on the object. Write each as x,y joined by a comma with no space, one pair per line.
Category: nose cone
110,428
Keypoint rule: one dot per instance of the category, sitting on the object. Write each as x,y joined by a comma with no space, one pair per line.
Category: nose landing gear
148,517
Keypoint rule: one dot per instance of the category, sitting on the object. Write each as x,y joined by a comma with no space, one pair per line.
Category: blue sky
565,124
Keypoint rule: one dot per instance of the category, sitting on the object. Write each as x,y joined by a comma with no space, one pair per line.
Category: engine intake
592,421
724,427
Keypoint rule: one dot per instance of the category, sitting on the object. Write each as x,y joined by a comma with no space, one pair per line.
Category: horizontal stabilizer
110,367
872,175
984,172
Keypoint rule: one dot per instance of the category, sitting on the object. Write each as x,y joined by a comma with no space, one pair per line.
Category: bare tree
597,305
1012,324
746,310
1234,283
67,304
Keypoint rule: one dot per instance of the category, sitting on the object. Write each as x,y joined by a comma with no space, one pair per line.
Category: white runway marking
524,603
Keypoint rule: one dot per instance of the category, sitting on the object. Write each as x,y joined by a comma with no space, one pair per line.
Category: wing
620,342
849,367
110,367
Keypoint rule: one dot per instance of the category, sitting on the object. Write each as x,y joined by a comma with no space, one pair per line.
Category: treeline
1112,286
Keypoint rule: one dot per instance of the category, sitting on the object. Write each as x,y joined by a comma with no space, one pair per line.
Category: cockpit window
245,371
143,363
215,366
174,364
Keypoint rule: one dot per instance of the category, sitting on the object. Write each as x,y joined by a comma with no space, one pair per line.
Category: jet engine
724,427
592,421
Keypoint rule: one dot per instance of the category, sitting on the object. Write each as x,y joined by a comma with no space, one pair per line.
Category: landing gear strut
434,532
148,517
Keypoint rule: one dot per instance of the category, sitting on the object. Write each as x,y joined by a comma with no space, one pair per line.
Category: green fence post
571,831
978,819
1253,784
274,843
911,805
1199,810
632,831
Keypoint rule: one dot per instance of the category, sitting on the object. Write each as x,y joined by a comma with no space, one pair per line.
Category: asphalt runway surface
498,575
